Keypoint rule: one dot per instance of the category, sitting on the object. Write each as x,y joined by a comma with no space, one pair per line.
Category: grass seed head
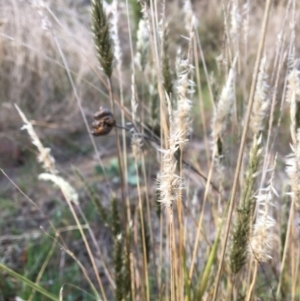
102,38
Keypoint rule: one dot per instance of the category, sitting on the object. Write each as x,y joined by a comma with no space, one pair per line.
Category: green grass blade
31,284
210,261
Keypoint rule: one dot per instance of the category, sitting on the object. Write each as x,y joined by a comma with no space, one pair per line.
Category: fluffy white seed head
245,22
223,109
44,156
262,240
293,171
115,34
293,96
190,19
169,183
235,20
261,100
142,44
261,243
68,191
185,89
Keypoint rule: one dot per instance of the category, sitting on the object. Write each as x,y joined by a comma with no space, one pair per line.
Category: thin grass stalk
136,150
30,201
200,221
171,248
130,37
281,37
295,284
93,197
292,163
160,260
163,34
118,251
26,281
290,56
276,128
234,32
182,113
180,266
168,186
84,271
142,154
285,251
175,263
104,47
292,259
218,127
250,291
242,145
246,43
158,67
203,119
67,190
187,286
150,223
91,256
205,69
272,111
78,100
141,212
44,265
125,205
132,275
96,245
210,261
226,51
120,81
148,204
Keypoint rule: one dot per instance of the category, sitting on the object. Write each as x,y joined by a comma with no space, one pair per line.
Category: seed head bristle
261,100
261,242
44,155
68,191
224,106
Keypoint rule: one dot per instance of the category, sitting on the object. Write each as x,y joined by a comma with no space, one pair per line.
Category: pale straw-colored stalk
292,169
136,144
67,190
169,186
243,141
238,251
184,90
220,115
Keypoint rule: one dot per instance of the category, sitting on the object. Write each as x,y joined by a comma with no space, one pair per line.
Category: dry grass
185,190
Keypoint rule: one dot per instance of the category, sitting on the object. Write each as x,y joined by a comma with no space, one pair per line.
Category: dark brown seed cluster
103,122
